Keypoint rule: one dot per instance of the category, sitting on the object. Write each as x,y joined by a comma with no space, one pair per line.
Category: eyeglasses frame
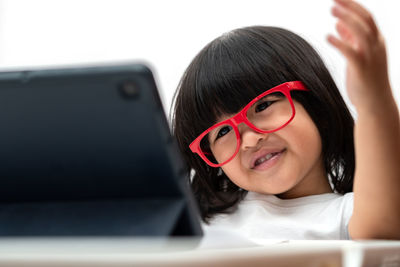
241,117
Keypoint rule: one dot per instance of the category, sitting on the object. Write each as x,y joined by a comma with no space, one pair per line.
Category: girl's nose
249,137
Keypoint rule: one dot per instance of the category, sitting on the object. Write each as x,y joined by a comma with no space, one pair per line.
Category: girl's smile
268,158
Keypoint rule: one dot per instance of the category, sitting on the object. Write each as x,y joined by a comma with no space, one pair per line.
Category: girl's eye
263,105
223,131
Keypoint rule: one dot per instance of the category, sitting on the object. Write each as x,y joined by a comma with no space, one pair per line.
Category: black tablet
87,151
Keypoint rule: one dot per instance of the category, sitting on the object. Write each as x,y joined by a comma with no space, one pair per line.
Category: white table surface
186,252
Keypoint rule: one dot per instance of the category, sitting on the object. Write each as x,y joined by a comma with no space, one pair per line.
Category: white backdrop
166,34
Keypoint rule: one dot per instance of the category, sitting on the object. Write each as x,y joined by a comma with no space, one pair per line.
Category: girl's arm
377,131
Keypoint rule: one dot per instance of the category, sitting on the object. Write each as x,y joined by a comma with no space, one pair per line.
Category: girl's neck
323,189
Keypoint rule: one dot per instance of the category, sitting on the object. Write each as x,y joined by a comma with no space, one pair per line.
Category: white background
167,34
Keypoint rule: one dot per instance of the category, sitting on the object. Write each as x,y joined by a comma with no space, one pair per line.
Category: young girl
269,138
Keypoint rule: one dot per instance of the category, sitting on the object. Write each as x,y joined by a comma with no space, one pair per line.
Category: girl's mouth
267,160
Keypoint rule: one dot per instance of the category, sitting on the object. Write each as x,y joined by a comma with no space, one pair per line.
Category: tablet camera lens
129,89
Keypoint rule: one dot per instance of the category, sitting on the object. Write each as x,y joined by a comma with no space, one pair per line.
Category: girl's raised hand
361,42
377,129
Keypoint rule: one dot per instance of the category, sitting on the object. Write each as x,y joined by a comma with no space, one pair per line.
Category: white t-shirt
324,216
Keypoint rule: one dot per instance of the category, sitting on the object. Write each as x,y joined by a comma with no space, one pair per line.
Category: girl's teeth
267,157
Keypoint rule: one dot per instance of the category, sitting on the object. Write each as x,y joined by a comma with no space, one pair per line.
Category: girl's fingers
343,47
345,34
362,12
354,25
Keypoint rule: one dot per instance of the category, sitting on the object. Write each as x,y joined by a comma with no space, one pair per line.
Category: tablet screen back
84,135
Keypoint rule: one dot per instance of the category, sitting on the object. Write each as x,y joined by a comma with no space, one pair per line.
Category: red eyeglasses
268,112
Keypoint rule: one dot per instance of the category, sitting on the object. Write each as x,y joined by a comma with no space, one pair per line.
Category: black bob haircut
235,68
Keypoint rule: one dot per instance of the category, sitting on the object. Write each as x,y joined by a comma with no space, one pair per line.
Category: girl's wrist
377,98
383,107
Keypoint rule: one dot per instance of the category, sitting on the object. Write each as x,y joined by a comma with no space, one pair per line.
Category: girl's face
287,163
